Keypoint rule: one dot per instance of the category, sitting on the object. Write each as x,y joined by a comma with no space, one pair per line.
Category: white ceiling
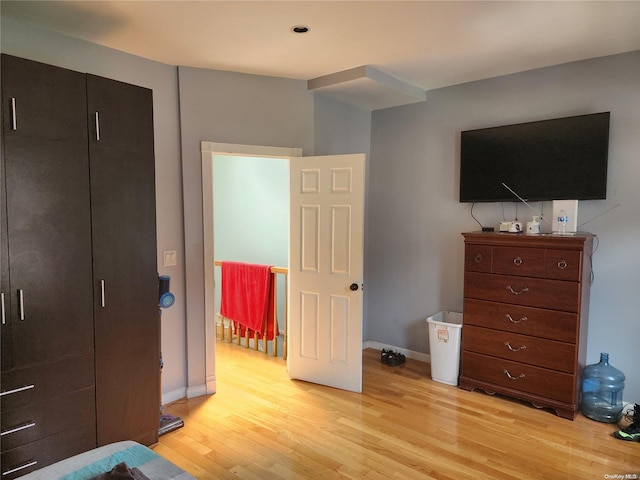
425,44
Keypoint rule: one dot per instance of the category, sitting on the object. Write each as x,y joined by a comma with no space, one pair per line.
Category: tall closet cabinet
80,326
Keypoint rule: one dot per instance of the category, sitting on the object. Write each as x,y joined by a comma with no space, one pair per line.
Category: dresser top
544,240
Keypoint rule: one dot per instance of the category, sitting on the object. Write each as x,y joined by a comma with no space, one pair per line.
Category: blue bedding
94,462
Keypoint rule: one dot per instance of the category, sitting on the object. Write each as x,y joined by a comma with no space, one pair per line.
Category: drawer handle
562,264
18,428
16,390
514,349
511,377
525,289
516,321
30,463
478,258
517,261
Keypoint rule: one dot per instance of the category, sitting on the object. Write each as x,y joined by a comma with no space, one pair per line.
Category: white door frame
208,151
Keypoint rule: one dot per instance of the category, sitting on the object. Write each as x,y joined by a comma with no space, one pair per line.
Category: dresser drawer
26,458
532,292
518,376
561,326
36,383
38,420
520,348
522,261
563,265
477,258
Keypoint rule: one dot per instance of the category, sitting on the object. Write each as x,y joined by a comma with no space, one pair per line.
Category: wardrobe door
47,213
46,267
125,272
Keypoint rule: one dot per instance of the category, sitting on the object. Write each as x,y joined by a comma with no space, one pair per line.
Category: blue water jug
602,386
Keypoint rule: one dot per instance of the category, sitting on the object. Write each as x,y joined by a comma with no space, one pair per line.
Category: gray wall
228,107
340,129
414,263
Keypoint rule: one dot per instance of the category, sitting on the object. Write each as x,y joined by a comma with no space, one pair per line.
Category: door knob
353,287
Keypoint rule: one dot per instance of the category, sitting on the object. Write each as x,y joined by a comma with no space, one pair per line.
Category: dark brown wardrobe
80,326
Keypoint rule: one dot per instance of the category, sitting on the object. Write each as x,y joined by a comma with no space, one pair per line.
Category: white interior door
325,270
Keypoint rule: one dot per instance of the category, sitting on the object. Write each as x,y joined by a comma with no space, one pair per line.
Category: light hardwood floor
262,425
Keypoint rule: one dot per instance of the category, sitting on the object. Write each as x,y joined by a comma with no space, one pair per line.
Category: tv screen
557,159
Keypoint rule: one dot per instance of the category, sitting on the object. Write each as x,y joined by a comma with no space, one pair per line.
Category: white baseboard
422,357
173,395
180,393
196,391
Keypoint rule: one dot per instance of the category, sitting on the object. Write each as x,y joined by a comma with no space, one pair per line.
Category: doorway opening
251,225
239,182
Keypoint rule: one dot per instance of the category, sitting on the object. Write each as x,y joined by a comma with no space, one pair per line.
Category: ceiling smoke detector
299,29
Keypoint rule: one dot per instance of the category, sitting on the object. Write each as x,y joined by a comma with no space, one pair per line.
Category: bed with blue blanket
111,461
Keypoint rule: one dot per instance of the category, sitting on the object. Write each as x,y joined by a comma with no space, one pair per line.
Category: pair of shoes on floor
389,357
632,432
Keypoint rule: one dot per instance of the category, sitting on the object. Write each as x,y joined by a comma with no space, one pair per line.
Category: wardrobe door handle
14,118
4,319
21,303
97,126
102,296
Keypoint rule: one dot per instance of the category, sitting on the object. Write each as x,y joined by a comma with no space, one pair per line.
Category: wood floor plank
262,425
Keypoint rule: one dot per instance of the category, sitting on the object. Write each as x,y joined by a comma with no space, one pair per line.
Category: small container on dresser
526,303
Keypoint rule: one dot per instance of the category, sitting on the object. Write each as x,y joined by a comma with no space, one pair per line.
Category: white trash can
444,346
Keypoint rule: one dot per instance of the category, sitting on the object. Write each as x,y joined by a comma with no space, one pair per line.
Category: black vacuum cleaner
168,423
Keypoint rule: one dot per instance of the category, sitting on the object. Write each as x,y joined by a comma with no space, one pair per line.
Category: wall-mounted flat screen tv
557,159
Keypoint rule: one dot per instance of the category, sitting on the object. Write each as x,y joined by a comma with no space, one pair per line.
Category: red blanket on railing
248,297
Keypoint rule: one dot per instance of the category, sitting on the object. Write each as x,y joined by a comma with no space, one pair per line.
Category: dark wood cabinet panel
125,267
124,115
34,421
27,458
47,214
526,315
49,237
47,266
127,320
80,335
43,102
40,382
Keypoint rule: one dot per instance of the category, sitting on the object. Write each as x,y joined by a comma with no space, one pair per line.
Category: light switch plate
170,259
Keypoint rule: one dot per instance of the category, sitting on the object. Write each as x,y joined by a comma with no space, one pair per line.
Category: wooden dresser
526,304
